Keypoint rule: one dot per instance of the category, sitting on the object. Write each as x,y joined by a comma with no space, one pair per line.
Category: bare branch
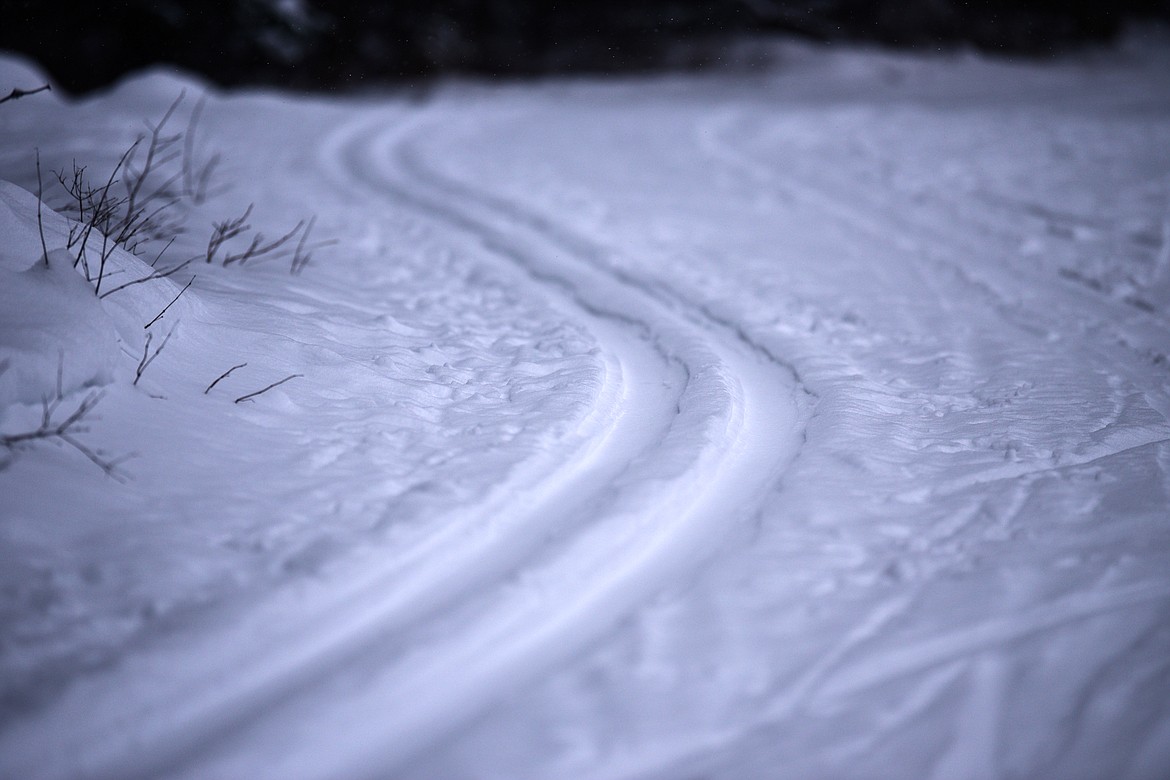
158,257
201,188
189,147
227,230
60,373
65,431
222,377
304,250
148,356
158,316
159,144
97,210
250,396
258,248
152,277
196,176
40,196
19,93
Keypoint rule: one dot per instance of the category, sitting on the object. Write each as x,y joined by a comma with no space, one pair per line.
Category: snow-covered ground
812,422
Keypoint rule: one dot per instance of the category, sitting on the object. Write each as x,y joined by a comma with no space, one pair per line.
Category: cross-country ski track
691,422
806,421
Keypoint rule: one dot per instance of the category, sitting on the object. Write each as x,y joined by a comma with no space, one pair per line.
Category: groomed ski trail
692,426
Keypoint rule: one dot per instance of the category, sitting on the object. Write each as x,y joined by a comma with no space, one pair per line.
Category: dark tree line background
337,43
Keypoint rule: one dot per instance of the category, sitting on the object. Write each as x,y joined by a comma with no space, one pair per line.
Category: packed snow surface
804,422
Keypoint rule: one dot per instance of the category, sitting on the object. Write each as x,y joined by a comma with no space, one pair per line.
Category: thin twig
158,144
158,316
189,146
40,195
60,373
257,248
158,257
101,212
108,248
201,188
147,356
19,93
66,430
151,278
249,396
304,250
300,257
222,377
196,176
227,230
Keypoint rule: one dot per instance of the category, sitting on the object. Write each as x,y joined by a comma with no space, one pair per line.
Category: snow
812,422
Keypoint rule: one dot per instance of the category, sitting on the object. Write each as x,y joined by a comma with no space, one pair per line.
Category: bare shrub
66,430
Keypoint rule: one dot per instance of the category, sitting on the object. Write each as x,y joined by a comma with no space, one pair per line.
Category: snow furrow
166,706
971,404
880,667
930,242
649,525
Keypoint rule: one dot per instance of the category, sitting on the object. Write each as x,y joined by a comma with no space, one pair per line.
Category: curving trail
692,425
699,437
924,577
552,522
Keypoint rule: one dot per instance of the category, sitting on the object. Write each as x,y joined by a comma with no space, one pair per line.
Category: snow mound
64,328
51,319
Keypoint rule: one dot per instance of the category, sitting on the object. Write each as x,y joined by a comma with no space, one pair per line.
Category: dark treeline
331,43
